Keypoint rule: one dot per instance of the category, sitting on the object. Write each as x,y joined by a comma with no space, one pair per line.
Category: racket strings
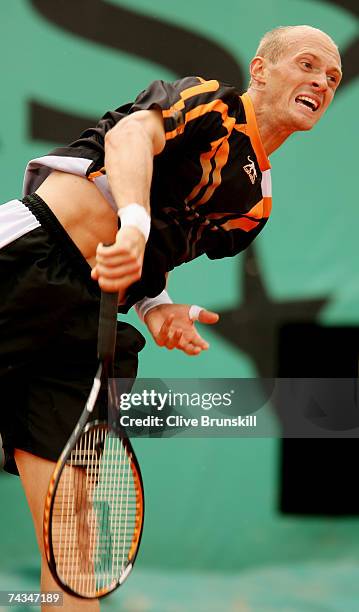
97,513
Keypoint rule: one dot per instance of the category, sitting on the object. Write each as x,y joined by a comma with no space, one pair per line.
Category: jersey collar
251,129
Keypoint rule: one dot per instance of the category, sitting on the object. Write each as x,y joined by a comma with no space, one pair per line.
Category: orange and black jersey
211,188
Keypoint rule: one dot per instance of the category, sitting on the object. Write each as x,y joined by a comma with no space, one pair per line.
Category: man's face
300,86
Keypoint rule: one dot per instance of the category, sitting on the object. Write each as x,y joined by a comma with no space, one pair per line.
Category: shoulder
185,91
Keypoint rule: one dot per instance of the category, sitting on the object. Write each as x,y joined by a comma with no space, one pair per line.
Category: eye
307,65
332,79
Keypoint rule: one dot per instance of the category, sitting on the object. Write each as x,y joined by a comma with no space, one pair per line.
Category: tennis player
186,169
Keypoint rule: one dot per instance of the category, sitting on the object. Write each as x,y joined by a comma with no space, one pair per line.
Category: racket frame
82,426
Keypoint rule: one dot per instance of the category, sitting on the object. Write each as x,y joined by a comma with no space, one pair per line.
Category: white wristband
194,311
143,306
137,216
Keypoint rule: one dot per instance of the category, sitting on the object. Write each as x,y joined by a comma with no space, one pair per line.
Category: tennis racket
94,507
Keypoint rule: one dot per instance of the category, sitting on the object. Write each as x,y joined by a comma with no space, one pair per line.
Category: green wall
219,493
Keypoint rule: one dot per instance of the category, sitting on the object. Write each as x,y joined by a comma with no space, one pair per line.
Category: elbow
144,128
126,131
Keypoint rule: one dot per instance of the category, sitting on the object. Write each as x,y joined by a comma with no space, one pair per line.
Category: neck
272,135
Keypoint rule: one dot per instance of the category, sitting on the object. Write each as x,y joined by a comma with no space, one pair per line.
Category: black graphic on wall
253,324
180,50
54,125
350,55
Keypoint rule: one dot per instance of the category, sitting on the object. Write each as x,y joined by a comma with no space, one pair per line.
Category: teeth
310,100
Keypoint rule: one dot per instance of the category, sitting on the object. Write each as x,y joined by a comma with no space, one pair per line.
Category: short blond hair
276,41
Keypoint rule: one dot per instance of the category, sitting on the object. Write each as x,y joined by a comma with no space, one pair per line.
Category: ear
257,70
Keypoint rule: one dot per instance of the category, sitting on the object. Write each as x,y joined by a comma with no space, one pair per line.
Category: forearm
129,164
129,151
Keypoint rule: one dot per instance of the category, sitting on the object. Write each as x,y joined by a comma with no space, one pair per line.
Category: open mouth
308,102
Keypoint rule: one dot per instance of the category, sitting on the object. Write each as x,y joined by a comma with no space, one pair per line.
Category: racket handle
107,325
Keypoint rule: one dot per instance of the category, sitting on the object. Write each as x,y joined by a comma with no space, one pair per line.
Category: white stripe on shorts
15,221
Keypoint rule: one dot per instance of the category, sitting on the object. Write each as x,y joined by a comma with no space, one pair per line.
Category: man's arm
129,151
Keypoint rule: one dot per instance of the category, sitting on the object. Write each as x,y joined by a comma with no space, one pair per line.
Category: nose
320,82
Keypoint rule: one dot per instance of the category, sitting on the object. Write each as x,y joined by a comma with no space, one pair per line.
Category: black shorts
49,311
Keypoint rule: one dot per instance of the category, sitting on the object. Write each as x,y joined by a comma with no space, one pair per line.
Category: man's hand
171,327
120,265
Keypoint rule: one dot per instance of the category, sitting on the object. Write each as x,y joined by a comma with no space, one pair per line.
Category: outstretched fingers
188,341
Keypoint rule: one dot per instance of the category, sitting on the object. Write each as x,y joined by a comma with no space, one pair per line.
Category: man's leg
33,469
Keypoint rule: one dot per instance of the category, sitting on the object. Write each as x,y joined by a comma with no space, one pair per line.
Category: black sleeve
192,108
